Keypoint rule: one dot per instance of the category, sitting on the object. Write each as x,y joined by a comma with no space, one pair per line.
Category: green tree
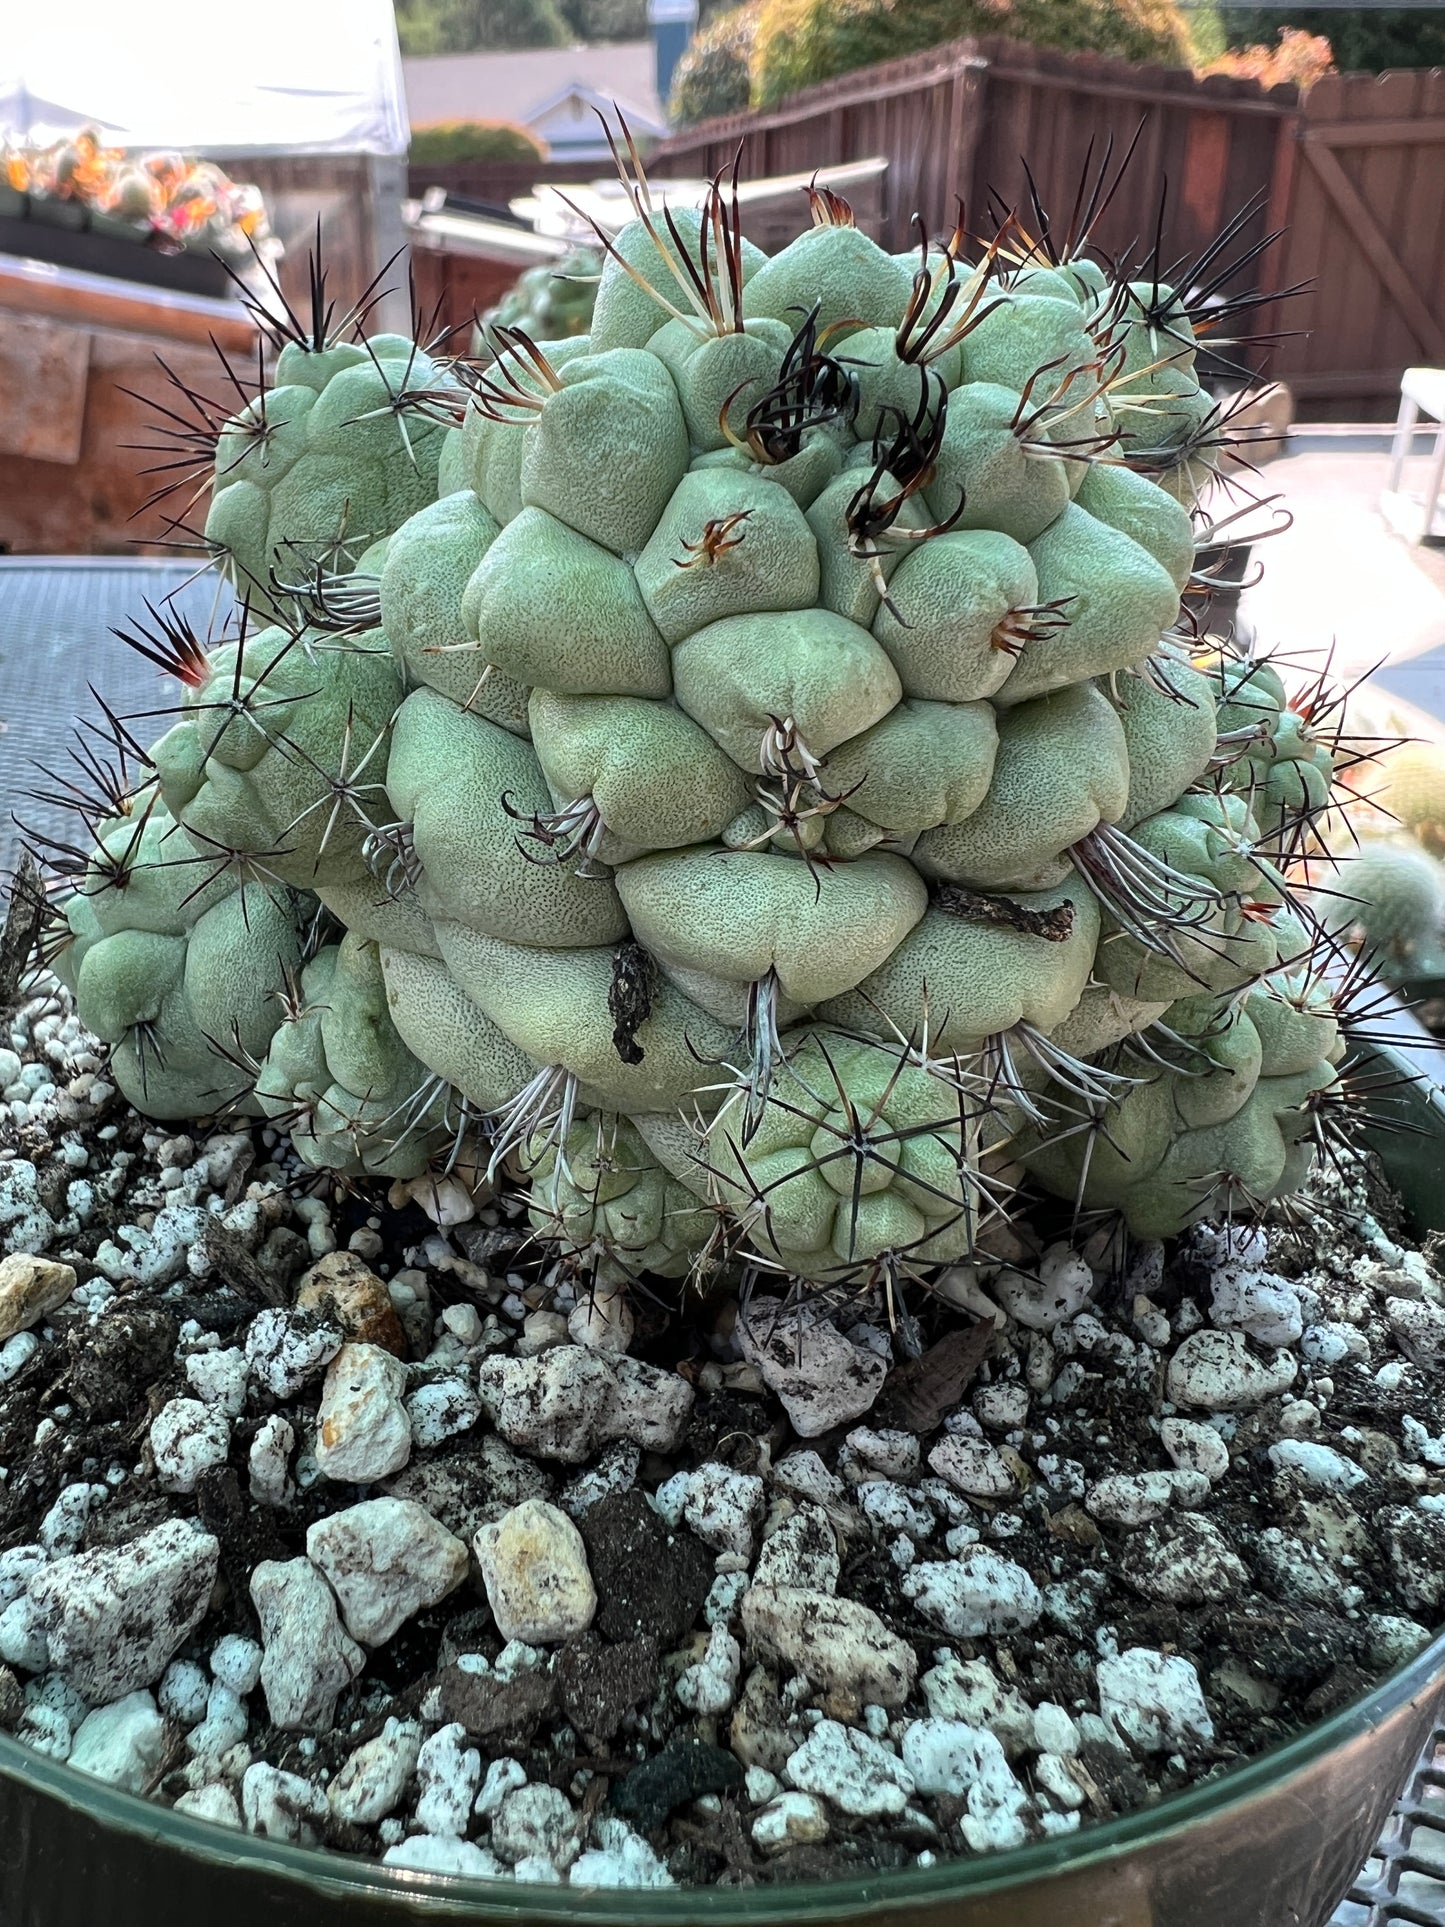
801,42
1364,39
593,20
465,26
714,75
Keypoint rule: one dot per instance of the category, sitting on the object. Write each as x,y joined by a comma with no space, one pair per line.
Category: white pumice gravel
854,1773
214,1802
448,1773
821,1379
122,1743
533,1564
187,1438
285,1351
977,1592
801,1551
842,1612
113,1618
385,1560
839,1643
282,1806
1216,1371
710,1687
309,1658
1153,1700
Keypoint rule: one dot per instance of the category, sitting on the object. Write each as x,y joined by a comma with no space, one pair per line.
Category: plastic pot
1275,1842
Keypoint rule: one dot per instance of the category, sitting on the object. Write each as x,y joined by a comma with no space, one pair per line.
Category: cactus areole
758,766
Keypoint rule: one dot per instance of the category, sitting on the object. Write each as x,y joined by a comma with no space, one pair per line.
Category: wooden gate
1361,188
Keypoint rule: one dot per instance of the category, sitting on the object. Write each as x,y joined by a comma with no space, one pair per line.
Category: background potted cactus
754,788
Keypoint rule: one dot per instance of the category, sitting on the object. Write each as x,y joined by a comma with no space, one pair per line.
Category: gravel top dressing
336,1514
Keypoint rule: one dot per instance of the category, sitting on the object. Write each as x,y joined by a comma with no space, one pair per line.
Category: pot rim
222,1848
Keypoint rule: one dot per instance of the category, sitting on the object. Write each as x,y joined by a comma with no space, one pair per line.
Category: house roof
535,85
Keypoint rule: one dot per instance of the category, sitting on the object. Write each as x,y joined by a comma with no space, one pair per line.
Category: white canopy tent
309,92
266,77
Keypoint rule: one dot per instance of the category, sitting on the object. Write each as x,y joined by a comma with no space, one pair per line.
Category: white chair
1422,392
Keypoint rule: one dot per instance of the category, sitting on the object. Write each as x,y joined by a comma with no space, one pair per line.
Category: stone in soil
820,1378
385,1559
113,1618
309,1659
31,1287
533,1564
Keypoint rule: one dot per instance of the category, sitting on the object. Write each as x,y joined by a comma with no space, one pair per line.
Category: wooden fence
1361,188
1355,172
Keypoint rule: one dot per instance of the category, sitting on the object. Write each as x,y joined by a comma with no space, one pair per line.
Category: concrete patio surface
1342,577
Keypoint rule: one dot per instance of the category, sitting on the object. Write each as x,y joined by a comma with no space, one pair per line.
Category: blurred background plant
444,141
169,198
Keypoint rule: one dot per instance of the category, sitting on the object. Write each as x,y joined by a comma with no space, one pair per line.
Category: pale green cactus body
607,448
437,1020
352,1095
985,464
1061,769
388,915
1023,333
297,778
463,784
832,1185
968,979
1285,770
1229,938
850,584
1139,508
1171,739
188,1013
719,377
1118,600
601,1195
658,780
349,464
923,765
947,630
765,559
740,677
804,475
739,914
549,607
838,270
626,314
554,1006
429,565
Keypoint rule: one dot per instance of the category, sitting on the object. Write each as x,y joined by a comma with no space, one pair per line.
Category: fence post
967,106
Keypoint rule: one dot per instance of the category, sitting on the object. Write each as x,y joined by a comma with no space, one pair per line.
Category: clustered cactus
751,762
552,302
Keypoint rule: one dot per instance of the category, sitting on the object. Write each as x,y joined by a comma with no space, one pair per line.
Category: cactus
760,765
1413,791
1390,903
550,303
